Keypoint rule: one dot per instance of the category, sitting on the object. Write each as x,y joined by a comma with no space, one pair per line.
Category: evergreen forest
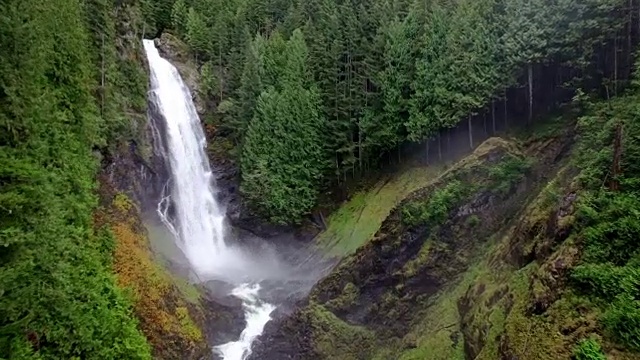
314,96
371,76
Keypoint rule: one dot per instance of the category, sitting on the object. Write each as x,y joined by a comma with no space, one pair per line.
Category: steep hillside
77,276
485,262
357,220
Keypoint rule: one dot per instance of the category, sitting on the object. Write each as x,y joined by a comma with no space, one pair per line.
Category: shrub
588,349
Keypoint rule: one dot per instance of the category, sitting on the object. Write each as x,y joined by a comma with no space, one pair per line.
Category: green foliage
388,72
196,32
473,221
179,16
58,299
622,318
588,349
157,15
437,208
608,215
283,157
508,172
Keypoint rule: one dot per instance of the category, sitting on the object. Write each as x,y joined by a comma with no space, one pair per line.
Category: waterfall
197,220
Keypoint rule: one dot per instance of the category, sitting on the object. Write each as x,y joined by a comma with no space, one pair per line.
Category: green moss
347,298
412,266
188,290
337,340
437,334
510,170
437,207
473,221
188,328
484,307
358,219
495,300
122,203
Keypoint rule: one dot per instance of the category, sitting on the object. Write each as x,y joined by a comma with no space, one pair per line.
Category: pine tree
283,157
197,33
251,85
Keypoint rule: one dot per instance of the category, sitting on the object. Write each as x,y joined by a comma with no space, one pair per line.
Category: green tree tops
282,156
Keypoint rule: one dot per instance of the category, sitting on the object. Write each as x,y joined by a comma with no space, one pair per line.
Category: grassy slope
358,219
491,287
422,267
515,301
488,281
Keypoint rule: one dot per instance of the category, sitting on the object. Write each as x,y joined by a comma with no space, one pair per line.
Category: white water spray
199,224
257,314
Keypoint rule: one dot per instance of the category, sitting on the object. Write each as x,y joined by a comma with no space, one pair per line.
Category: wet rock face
178,54
224,318
139,178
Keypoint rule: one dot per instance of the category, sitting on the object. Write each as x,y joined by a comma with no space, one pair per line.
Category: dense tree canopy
313,92
283,183
63,94
388,71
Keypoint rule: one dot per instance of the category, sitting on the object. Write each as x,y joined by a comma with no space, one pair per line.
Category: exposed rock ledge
177,52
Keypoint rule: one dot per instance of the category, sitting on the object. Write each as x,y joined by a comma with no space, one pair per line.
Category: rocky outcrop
179,54
463,268
376,293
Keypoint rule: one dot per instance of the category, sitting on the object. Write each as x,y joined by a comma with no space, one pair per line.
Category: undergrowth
357,220
436,209
158,301
588,349
609,216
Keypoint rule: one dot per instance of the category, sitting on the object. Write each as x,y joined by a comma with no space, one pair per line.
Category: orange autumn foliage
166,318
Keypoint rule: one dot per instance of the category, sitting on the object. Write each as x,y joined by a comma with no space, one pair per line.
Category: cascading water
198,222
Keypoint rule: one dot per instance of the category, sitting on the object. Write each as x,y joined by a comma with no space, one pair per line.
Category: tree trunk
615,65
337,168
470,133
530,74
493,115
506,119
359,145
427,150
629,42
484,123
